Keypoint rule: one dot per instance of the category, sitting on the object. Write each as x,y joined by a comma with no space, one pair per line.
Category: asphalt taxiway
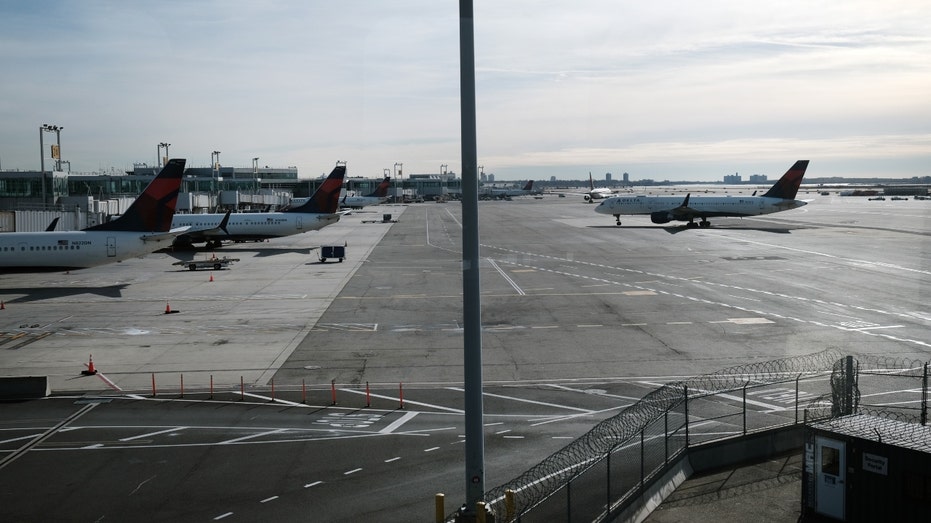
580,318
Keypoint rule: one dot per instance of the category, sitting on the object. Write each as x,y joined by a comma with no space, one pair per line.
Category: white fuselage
704,206
253,226
361,201
73,249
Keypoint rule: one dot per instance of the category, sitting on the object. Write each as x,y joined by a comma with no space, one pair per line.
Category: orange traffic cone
211,276
167,308
2,305
90,367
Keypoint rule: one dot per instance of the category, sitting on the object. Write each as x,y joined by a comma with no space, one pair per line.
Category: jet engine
661,217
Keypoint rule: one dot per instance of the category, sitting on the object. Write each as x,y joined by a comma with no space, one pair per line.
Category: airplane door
111,246
299,222
830,484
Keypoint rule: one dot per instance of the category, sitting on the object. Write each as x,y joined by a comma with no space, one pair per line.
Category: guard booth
866,468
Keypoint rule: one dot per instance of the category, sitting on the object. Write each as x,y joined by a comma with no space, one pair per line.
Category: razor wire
554,472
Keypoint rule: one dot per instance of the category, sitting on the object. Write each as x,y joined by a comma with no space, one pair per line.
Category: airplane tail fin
153,210
591,182
382,190
325,199
529,186
787,186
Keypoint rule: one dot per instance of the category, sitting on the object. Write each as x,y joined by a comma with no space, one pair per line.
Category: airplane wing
169,235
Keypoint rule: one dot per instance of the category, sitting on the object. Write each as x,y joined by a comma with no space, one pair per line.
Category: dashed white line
314,484
140,436
221,516
353,471
431,449
389,460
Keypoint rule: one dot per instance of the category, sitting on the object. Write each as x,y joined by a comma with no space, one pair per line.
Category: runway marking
152,434
252,436
266,500
353,471
513,437
19,438
314,484
391,460
221,516
506,277
522,400
398,423
109,383
438,407
20,452
431,449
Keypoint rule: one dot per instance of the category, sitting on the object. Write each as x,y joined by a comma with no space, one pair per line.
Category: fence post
666,436
508,505
796,397
924,395
686,389
182,385
569,501
211,386
642,459
745,406
848,386
608,484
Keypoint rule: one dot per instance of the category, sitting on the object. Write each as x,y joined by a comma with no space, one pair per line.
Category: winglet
325,199
153,210
787,186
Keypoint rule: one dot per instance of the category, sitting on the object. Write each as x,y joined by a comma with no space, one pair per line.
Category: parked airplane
663,209
379,195
319,211
143,228
596,194
506,193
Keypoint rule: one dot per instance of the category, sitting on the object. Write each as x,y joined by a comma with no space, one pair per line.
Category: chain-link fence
618,458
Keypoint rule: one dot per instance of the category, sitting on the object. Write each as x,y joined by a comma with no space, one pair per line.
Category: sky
664,90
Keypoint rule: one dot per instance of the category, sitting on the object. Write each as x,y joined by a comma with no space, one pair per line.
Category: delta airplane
504,193
145,227
379,195
663,209
317,212
596,194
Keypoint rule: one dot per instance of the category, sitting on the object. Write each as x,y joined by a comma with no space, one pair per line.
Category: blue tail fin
787,186
325,199
155,207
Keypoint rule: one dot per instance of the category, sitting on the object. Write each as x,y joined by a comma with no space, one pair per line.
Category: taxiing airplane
145,227
596,194
663,209
379,195
320,210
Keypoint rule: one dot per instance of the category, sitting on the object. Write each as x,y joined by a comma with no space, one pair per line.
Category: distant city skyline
662,90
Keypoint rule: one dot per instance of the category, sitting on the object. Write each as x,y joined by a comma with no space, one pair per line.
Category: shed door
830,475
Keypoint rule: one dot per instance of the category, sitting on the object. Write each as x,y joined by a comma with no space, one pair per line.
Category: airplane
596,194
663,209
145,227
506,193
320,210
379,195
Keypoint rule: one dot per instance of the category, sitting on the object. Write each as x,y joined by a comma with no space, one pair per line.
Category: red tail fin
787,186
325,199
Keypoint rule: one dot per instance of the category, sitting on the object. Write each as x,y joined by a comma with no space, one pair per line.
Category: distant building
608,177
626,178
758,178
732,179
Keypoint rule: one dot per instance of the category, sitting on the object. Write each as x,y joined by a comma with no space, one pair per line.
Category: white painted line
398,423
431,449
353,471
221,516
253,436
506,277
503,431
151,434
22,437
406,402
495,423
490,395
276,400
266,500
513,437
389,460
314,484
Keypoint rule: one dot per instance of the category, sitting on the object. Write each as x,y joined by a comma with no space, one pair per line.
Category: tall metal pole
471,288
42,160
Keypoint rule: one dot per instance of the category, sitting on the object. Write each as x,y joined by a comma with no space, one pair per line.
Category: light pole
215,163
399,177
162,160
443,168
46,128
255,172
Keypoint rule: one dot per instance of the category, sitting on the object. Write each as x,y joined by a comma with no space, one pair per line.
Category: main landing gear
618,218
703,224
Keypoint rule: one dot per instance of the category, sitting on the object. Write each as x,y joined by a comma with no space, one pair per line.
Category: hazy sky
677,90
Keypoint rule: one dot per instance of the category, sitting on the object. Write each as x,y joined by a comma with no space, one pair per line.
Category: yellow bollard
480,512
508,505
440,511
